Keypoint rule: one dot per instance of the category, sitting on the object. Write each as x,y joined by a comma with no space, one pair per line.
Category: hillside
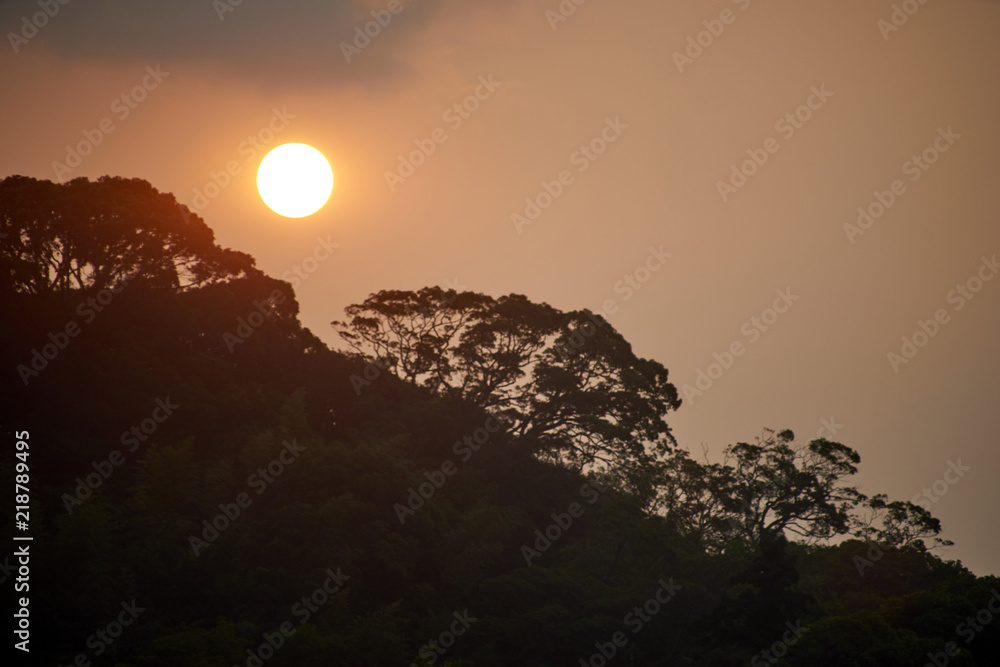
212,485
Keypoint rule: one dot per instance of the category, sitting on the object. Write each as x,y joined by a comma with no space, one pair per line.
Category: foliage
743,538
567,384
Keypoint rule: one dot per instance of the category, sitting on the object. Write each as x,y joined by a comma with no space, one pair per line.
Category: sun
294,180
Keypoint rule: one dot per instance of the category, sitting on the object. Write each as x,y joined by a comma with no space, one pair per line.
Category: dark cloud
293,42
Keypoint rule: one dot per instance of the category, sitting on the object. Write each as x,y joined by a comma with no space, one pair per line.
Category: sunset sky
627,124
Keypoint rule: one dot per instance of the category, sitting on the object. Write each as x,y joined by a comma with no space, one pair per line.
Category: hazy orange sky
642,124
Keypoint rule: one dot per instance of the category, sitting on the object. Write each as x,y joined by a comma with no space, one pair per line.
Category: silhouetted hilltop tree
113,275
91,235
897,523
773,487
780,487
568,384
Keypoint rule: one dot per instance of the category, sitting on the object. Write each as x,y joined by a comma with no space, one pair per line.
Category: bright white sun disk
294,180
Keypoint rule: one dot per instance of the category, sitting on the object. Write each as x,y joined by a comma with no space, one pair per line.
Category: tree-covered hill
482,481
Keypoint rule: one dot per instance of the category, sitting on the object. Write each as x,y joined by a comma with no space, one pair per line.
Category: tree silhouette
897,524
568,384
91,235
769,488
778,487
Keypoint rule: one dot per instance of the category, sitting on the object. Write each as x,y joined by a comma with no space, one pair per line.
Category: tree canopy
775,488
84,235
568,385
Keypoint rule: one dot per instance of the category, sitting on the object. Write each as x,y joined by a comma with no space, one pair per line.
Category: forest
477,480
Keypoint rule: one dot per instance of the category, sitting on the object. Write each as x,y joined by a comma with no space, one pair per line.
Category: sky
693,171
